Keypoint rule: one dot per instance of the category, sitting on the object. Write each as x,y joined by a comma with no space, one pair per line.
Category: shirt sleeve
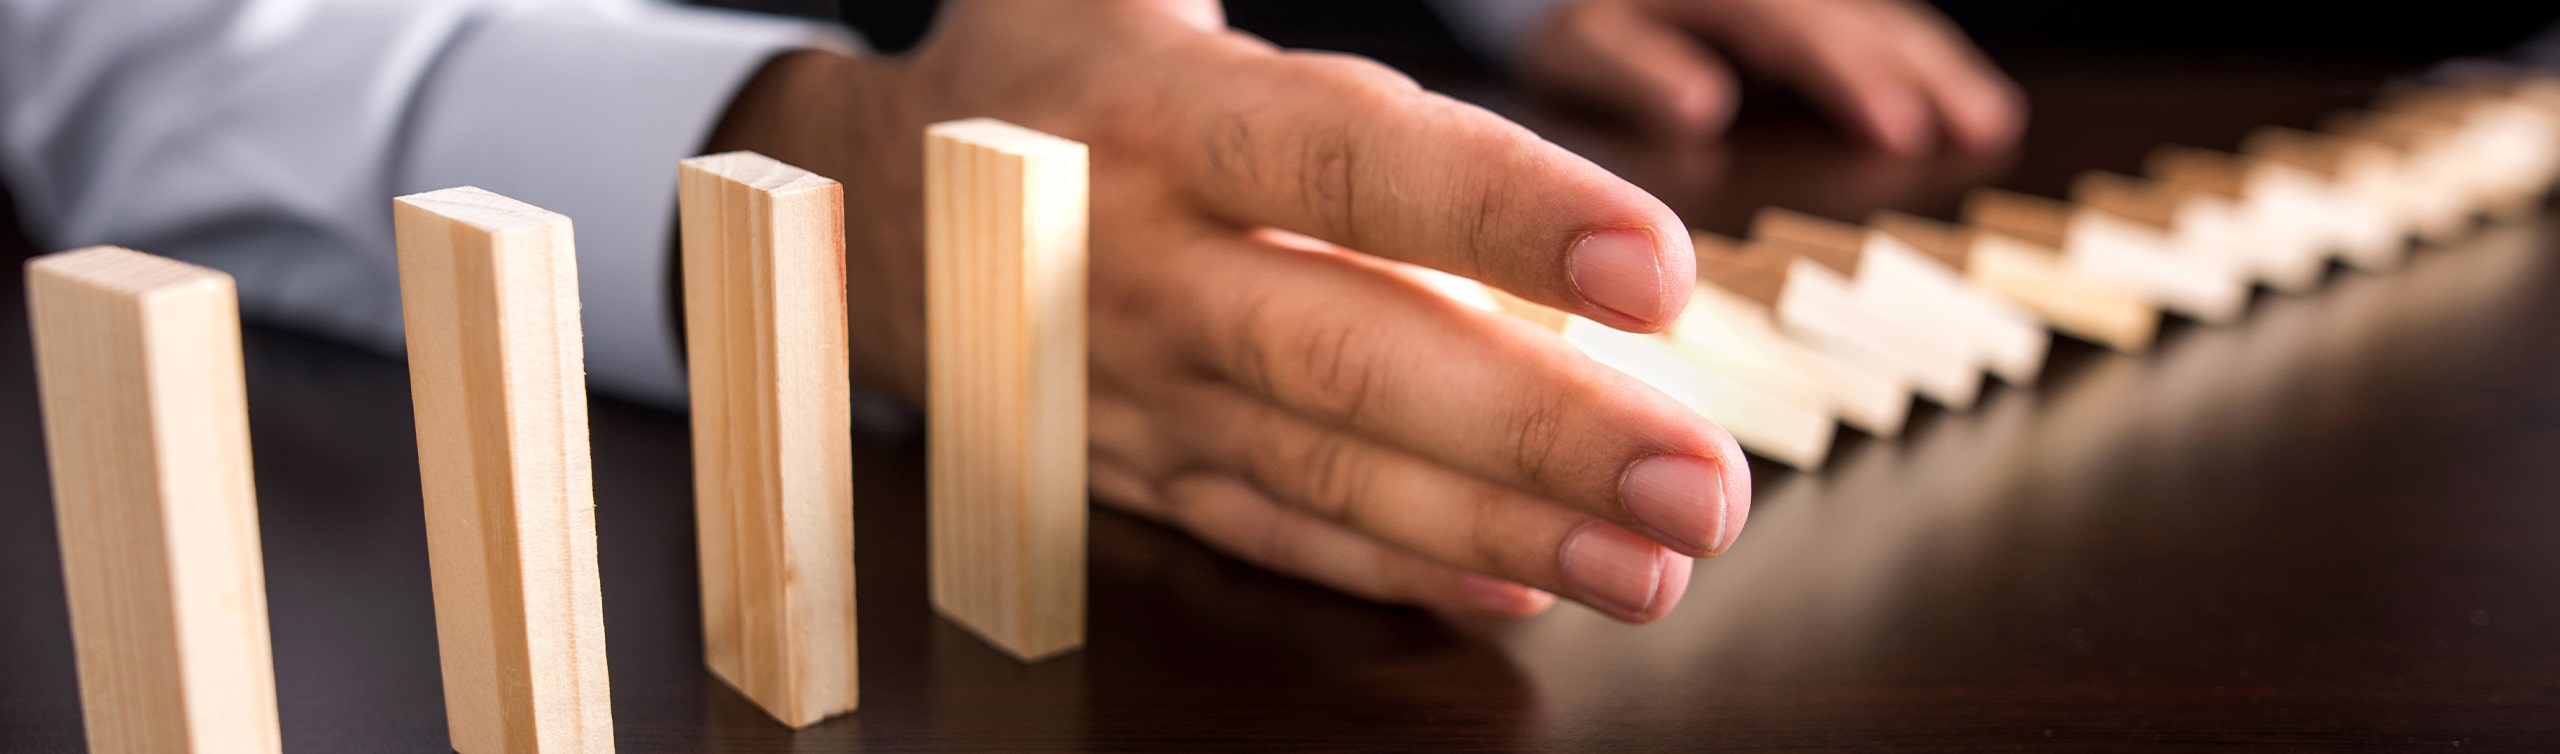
267,137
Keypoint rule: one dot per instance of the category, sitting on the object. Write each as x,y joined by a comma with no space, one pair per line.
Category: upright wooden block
1896,279
1818,307
2100,246
489,294
772,431
1005,224
2206,225
147,429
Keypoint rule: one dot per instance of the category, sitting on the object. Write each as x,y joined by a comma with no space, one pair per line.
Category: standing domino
772,431
489,293
147,427
1005,220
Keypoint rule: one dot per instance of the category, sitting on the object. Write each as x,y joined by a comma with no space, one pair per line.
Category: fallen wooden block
2365,176
1775,414
2108,314
1783,430
2099,246
2509,150
2206,225
2289,207
1737,336
772,431
1005,260
1898,280
489,295
1818,308
147,433
2434,184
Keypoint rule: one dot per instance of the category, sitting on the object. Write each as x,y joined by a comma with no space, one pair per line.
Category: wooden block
772,431
1896,279
1818,308
2292,211
1783,430
1761,406
2205,225
2366,178
2033,277
2098,246
147,430
2432,181
1736,336
489,294
2508,148
1005,211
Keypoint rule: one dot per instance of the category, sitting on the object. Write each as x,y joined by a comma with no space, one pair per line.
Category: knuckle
1328,178
1248,360
1341,369
1536,429
1332,478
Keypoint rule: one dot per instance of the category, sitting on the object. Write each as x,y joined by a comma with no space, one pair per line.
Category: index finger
1349,151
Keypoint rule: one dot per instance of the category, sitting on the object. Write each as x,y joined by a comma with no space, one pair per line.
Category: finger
1116,427
1230,515
1121,486
1837,54
1980,107
1624,58
1340,340
1351,152
1428,510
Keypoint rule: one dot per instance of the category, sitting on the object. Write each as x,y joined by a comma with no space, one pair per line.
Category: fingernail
1492,595
1679,496
1615,570
1621,271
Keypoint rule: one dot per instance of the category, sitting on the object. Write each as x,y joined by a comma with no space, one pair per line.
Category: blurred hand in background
1894,72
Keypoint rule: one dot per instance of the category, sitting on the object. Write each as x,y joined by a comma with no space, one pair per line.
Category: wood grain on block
1005,262
772,431
1896,279
2205,225
1784,431
2119,252
147,432
2033,277
2294,213
1816,306
489,295
1736,335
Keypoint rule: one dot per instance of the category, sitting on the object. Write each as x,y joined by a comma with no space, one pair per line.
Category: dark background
2345,28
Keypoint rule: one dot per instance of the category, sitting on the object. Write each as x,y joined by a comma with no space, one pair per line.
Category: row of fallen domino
139,366
1813,320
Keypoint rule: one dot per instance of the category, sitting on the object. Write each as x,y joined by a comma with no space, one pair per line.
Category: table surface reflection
2336,524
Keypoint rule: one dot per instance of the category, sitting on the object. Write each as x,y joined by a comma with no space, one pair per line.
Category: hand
1307,409
1894,71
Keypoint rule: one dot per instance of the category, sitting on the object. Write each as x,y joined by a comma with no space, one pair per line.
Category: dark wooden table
2335,525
